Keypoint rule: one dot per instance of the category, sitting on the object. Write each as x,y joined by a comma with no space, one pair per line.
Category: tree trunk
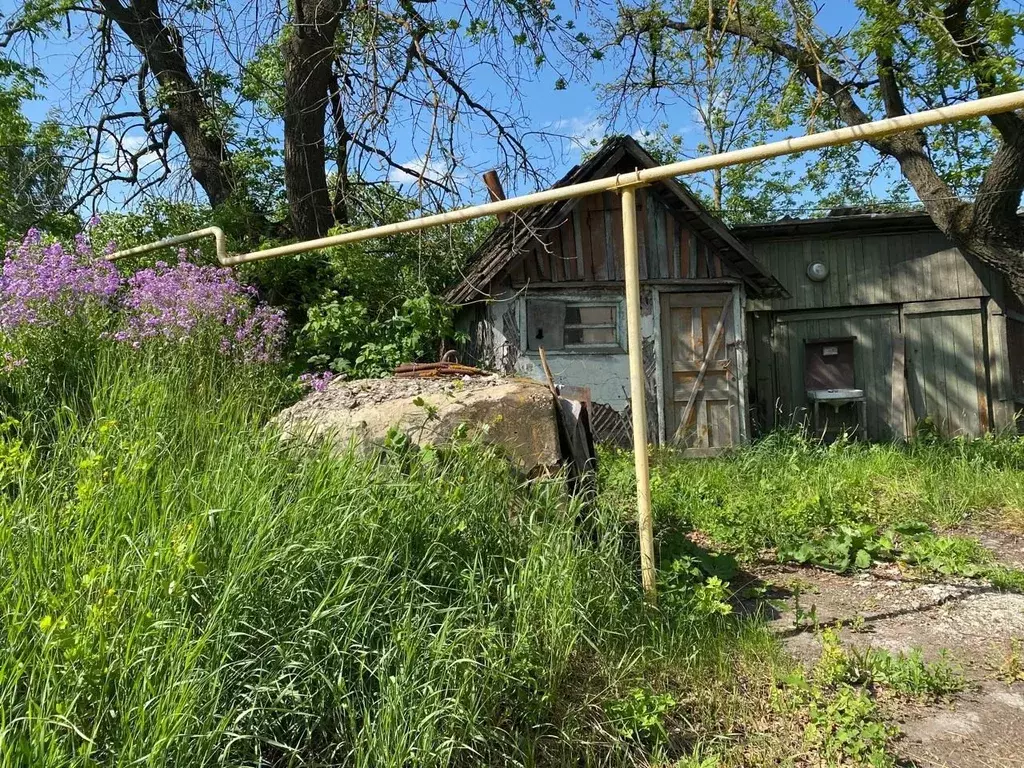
1000,247
339,202
308,52
186,112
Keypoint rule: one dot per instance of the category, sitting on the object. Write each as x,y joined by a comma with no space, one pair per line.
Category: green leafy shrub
640,716
686,590
362,345
362,308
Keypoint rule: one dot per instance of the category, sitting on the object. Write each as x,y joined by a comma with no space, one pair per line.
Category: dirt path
980,629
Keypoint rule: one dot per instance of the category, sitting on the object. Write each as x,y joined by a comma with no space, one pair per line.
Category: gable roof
516,234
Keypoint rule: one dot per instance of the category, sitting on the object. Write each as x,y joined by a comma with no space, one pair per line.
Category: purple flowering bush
43,285
60,308
55,303
190,304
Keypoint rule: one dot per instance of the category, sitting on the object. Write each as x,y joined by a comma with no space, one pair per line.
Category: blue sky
575,112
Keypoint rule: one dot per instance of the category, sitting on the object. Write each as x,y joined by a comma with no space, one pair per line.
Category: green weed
848,729
841,720
907,674
640,716
841,724
1012,669
1004,578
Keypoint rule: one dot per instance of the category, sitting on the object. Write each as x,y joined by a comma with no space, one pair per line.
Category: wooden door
946,365
703,394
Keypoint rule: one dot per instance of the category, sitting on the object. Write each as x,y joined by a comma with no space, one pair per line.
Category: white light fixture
817,271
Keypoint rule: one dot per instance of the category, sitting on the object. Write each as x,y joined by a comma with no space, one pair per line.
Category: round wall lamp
817,271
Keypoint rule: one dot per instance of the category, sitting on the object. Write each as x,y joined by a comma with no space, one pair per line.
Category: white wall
606,374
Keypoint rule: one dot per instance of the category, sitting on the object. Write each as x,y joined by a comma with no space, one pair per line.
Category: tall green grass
787,487
181,588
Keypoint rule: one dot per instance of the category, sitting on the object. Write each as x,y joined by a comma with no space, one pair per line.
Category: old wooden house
552,277
868,323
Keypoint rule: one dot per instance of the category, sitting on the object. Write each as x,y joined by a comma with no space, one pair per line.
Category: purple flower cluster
318,382
40,284
185,301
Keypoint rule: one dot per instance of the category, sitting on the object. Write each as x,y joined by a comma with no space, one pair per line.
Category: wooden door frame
739,302
739,308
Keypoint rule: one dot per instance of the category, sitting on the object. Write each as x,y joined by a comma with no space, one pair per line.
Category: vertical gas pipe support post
636,391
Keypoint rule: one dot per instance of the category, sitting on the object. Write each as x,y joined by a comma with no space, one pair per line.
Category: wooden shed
884,305
552,277
870,323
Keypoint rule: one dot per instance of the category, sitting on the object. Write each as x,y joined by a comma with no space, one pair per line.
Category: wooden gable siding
890,268
587,247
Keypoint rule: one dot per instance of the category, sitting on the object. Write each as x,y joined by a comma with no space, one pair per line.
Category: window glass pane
599,336
572,315
597,315
590,336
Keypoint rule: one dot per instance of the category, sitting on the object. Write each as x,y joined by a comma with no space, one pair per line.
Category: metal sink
835,396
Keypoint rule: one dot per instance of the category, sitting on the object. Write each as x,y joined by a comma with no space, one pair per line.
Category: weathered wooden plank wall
946,374
879,286
946,350
868,269
1014,332
587,247
872,358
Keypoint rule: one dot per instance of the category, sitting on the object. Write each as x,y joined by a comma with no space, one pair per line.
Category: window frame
605,346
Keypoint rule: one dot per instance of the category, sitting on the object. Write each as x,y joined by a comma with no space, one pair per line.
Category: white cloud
582,132
435,169
115,156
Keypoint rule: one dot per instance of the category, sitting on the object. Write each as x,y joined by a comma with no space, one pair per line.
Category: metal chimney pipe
495,190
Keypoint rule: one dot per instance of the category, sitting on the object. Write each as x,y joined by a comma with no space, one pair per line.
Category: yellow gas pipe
627,183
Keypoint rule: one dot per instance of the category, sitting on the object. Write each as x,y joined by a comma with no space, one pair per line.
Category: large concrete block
516,414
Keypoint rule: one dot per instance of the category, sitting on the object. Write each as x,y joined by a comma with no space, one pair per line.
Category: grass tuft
842,506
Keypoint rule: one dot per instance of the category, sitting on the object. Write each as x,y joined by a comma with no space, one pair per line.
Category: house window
591,325
573,326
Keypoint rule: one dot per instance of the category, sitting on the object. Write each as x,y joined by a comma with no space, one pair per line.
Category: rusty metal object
442,370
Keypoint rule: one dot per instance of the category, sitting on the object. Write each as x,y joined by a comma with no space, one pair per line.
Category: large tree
897,56
315,95
33,176
705,94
